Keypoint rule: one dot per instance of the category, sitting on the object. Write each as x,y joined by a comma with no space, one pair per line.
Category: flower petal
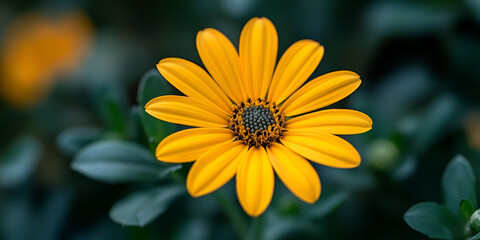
255,182
222,62
186,111
294,68
322,148
194,82
295,172
321,91
258,54
215,168
333,121
188,145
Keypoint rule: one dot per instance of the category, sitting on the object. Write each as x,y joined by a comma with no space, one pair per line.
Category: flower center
257,122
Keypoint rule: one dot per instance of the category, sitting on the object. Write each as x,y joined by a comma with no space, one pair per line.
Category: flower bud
475,221
382,155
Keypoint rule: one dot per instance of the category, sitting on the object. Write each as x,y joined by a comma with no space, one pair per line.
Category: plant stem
255,229
234,214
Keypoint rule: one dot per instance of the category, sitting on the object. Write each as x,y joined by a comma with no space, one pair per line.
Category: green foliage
140,208
47,222
476,237
283,227
153,85
111,105
113,161
438,117
287,224
473,7
434,220
195,228
400,90
466,209
71,140
453,220
327,204
458,183
19,160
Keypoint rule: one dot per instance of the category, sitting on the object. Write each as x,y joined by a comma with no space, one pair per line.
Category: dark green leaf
466,209
279,227
399,92
438,118
55,212
71,140
458,182
406,168
195,228
353,179
473,7
19,160
140,208
326,204
135,130
111,104
17,212
151,86
434,220
117,161
475,237
463,55
114,115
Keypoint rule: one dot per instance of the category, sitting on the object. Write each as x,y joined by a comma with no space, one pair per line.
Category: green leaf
473,6
279,227
436,123
458,182
356,179
405,169
193,228
433,220
153,85
140,208
399,92
18,212
54,214
71,140
113,161
19,160
327,204
110,101
466,209
475,237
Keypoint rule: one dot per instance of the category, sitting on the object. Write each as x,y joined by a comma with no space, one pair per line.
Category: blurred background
70,74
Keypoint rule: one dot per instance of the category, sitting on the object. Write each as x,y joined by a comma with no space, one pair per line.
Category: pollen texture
257,122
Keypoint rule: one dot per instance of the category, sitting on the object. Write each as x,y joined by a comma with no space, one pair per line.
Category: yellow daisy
253,118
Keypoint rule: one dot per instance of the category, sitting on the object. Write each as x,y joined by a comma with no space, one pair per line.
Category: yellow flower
253,118
38,48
